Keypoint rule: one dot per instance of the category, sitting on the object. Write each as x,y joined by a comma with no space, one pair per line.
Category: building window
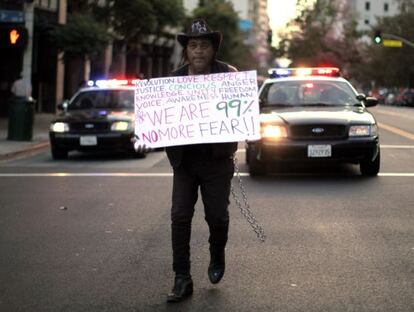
386,7
367,6
366,22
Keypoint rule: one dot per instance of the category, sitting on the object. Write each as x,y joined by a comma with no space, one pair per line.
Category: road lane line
388,146
391,113
398,131
167,174
397,146
390,174
88,174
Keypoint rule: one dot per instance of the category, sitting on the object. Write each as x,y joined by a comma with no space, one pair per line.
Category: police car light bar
303,71
105,83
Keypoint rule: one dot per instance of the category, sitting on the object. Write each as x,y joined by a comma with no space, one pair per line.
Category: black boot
183,288
217,266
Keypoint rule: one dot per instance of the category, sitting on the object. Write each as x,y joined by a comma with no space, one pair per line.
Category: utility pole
60,67
27,57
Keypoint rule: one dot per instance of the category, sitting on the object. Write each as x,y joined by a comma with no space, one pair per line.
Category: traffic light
378,37
13,37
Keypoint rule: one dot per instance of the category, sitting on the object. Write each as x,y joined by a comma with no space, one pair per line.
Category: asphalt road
92,233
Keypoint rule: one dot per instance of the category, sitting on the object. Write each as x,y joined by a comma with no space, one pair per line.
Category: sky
280,12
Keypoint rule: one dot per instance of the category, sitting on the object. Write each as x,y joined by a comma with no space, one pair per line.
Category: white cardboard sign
197,109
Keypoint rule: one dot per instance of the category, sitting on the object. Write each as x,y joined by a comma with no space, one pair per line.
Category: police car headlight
120,126
374,130
59,127
359,131
274,132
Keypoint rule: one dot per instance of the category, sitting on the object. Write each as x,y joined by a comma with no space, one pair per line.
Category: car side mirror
64,105
361,97
371,101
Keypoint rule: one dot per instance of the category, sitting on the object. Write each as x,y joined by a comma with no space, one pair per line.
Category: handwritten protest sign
197,109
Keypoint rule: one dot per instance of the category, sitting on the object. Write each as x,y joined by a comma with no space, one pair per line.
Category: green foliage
318,40
132,20
392,67
315,43
406,6
81,36
88,32
221,16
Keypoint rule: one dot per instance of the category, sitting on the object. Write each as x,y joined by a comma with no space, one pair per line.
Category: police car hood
324,115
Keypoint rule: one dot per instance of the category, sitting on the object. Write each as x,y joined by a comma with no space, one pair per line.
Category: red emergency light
304,72
108,83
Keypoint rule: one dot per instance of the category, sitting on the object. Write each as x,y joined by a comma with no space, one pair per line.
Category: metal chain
245,211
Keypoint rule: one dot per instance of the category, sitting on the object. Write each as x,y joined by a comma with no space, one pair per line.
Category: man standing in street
208,167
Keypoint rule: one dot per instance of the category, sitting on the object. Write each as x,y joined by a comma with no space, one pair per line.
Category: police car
98,117
313,114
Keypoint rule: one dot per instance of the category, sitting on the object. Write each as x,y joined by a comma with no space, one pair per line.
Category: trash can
21,119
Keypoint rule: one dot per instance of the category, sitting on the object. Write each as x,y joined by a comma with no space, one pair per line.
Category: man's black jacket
219,150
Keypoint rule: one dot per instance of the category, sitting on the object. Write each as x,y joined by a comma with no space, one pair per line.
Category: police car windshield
308,93
108,99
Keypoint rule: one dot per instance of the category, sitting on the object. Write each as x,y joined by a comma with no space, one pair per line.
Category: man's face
200,54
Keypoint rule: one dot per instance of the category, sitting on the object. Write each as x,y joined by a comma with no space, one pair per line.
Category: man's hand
139,146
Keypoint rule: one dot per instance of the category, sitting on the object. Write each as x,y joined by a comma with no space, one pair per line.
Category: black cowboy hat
200,29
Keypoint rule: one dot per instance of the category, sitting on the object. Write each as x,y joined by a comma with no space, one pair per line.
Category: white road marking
387,146
397,146
158,175
388,174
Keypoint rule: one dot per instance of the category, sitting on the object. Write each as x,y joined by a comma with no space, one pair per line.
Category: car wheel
59,153
370,167
256,167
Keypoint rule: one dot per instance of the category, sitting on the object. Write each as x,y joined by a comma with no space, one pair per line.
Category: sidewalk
40,138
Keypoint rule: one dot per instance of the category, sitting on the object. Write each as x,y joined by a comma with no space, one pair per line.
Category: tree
99,23
220,15
326,35
81,36
392,67
133,20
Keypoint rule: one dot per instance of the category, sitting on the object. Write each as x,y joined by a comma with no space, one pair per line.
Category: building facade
254,22
367,11
35,60
52,78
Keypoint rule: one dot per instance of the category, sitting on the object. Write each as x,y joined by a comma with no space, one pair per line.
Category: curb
33,148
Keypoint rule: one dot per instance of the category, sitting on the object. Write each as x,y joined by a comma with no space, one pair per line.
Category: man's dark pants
213,177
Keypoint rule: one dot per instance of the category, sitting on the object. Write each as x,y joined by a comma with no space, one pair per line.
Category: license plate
319,151
88,140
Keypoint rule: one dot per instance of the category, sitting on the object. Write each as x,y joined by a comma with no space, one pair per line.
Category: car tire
370,167
256,167
59,153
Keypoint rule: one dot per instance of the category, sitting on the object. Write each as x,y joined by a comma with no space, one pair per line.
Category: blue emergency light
105,83
303,71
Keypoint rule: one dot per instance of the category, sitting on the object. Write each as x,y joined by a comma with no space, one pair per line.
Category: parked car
312,114
98,117
407,97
